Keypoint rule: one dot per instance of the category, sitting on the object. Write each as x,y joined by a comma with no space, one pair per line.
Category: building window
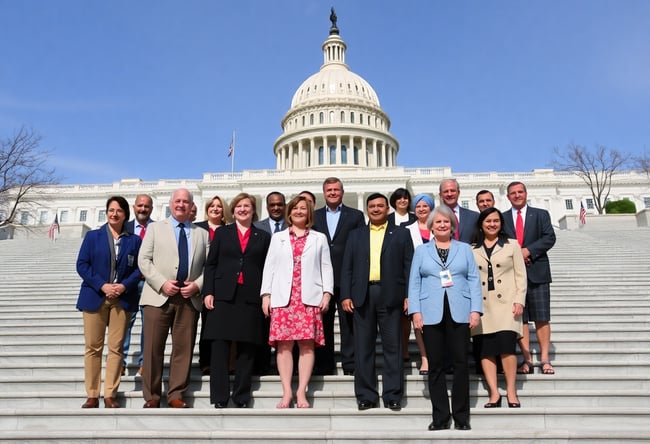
568,203
24,217
168,211
101,216
321,155
590,204
342,116
379,159
360,119
311,119
465,204
303,121
321,118
356,155
344,154
64,216
83,215
42,218
646,203
352,117
332,154
331,116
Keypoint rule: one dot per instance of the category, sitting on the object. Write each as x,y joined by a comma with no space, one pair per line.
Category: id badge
445,279
130,259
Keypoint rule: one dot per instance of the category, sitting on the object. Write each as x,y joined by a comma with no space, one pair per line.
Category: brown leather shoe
178,404
91,403
152,404
111,403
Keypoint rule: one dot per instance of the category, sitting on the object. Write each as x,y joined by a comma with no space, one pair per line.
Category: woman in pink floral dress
297,284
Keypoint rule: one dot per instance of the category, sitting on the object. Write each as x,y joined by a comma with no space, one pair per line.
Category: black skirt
495,344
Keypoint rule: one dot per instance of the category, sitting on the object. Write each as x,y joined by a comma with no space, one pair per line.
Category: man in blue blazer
374,282
142,208
536,237
336,221
275,204
466,219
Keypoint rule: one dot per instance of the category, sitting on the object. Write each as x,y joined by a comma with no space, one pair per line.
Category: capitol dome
335,119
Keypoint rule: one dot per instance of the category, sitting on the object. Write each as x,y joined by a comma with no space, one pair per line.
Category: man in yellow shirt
374,282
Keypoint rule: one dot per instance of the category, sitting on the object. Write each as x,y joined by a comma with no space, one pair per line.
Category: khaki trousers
110,315
178,316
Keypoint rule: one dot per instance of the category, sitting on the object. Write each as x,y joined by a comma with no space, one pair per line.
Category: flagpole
232,159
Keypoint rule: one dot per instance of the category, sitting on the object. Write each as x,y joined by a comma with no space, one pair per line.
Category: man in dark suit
171,258
142,209
533,230
275,204
336,221
374,282
466,219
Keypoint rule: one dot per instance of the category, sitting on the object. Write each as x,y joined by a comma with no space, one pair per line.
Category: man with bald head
171,259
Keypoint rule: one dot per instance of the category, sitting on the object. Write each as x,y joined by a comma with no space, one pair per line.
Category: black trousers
456,336
368,318
219,377
325,363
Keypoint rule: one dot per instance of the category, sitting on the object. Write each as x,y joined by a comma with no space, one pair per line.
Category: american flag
231,148
54,227
583,214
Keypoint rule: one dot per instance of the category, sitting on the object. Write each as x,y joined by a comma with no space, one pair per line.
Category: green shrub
624,206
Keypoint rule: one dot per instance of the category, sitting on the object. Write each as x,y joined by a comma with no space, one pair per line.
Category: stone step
410,424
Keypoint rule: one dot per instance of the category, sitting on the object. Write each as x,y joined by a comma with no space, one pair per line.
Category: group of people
279,282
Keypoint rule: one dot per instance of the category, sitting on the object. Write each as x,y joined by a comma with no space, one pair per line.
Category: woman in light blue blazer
445,301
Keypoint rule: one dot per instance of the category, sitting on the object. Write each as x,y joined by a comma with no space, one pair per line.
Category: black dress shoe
348,372
220,405
462,426
241,405
366,405
394,406
444,425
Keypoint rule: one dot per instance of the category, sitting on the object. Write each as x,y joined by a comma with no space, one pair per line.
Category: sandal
547,368
525,368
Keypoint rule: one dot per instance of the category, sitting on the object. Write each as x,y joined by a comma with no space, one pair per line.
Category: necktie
519,229
277,227
143,231
457,232
182,256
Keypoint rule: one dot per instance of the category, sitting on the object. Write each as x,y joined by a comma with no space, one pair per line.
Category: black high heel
492,405
514,405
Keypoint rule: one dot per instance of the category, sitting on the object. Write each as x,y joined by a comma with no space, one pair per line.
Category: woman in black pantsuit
233,278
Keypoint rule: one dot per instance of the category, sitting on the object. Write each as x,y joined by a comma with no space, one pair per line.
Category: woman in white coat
420,234
297,285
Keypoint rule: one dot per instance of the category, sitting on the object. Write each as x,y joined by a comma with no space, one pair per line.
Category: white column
364,156
313,157
278,158
361,205
301,155
338,150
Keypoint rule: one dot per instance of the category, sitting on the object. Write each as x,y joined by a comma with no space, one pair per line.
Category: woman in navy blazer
108,265
445,300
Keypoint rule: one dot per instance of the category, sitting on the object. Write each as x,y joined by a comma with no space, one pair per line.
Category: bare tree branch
642,163
23,170
595,167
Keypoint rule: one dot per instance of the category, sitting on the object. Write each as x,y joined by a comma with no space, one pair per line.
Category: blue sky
154,88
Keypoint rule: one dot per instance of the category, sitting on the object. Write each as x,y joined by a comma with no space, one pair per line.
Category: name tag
445,279
130,259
